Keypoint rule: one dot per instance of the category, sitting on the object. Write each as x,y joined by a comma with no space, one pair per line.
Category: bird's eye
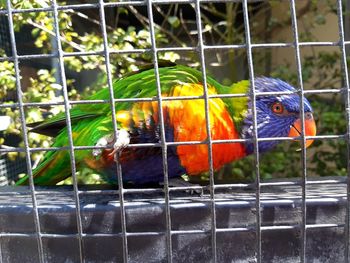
277,108
308,116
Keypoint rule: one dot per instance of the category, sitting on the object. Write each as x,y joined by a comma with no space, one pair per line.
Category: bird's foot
102,142
123,140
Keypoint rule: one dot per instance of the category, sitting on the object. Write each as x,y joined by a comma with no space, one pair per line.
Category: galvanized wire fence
59,54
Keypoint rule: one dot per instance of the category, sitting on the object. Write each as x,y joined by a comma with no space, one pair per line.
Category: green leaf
174,21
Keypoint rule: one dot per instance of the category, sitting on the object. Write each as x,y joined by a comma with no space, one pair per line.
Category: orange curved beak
310,128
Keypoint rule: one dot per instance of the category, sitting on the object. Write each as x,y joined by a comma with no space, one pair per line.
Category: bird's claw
123,140
102,142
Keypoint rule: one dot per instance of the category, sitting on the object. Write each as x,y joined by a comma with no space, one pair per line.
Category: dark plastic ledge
191,225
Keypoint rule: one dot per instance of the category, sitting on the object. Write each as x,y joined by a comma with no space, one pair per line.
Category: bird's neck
237,106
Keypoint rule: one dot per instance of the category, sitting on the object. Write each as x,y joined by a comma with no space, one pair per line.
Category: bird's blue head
277,115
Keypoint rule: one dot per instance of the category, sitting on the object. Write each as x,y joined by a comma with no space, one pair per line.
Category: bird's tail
54,168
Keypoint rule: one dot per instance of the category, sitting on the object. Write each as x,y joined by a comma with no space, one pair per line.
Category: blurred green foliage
222,25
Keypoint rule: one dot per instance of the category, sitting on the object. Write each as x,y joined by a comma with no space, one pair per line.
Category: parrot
138,122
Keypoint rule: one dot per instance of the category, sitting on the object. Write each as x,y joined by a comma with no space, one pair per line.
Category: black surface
145,218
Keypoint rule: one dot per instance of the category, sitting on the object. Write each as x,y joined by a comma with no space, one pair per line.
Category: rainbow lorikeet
138,122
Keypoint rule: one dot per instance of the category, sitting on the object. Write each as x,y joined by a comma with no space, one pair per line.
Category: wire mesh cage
303,219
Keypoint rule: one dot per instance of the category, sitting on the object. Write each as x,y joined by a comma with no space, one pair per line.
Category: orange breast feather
189,122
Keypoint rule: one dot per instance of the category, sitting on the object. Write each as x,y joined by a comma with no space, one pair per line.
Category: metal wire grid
4,35
112,103
61,72
9,167
303,152
24,132
249,46
347,105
